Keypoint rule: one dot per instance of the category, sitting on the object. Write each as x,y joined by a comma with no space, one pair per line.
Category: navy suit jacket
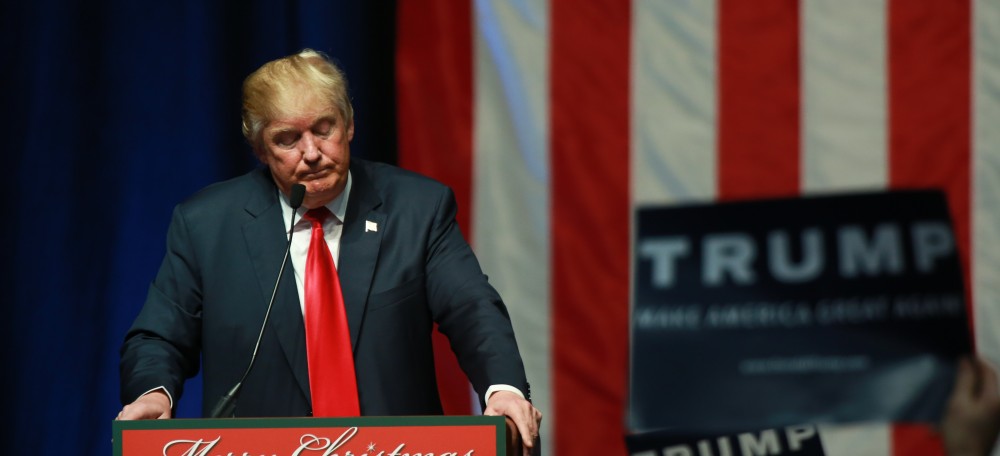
224,249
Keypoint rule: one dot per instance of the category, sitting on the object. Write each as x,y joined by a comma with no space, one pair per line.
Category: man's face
309,146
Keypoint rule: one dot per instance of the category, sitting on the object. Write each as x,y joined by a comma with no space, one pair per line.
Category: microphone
227,403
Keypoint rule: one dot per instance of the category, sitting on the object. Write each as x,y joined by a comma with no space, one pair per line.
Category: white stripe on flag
673,97
870,439
511,182
673,101
843,95
986,177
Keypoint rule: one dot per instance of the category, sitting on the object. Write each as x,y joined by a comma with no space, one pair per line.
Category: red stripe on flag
434,103
929,131
930,93
915,440
589,80
758,98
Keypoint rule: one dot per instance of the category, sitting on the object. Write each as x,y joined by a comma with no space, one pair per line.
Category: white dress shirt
332,229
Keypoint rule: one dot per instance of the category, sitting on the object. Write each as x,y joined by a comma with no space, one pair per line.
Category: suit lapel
359,246
263,235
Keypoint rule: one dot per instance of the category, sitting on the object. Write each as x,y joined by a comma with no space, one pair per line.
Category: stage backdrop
553,119
113,112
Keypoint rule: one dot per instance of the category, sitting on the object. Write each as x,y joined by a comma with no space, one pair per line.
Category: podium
361,436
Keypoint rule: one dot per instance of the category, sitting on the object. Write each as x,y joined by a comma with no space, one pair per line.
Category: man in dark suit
403,265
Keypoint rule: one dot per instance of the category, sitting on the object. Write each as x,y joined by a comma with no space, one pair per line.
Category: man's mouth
315,175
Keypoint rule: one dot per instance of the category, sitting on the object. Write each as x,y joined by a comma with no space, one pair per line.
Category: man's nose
310,148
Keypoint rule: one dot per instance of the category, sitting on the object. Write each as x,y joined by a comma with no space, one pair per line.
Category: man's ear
350,130
259,151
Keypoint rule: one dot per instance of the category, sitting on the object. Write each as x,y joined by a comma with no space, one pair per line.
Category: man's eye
285,139
323,129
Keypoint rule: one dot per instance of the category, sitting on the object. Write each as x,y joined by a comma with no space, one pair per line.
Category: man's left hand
525,416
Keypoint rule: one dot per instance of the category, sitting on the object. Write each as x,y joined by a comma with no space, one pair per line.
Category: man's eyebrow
332,118
278,130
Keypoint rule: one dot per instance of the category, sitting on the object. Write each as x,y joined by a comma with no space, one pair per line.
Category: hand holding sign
972,417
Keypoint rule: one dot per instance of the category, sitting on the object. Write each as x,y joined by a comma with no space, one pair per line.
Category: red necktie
332,382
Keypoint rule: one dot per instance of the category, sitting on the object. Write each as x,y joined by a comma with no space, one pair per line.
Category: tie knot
318,214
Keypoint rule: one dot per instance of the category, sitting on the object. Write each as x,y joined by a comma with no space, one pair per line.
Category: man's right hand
150,406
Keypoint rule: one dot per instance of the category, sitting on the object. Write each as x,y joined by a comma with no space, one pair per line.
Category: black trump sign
751,315
792,441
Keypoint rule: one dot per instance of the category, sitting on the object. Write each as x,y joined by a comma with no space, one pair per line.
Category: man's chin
319,194
321,187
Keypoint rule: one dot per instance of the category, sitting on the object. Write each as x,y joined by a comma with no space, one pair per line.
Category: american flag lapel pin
370,226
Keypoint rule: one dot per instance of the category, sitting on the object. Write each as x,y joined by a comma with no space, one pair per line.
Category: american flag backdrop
554,119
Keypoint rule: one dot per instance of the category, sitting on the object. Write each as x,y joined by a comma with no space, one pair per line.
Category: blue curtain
113,112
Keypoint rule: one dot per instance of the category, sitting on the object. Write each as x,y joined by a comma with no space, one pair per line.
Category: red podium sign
364,436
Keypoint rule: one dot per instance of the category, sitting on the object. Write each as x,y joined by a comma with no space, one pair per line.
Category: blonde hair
266,92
